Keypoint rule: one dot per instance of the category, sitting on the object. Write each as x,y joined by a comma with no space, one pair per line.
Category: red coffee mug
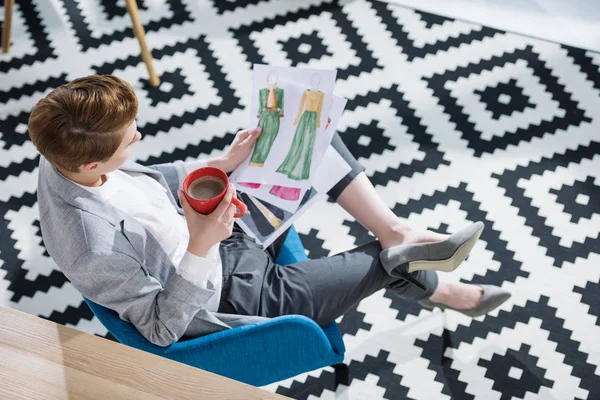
208,206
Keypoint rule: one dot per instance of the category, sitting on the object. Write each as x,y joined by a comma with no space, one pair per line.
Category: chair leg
138,30
342,375
8,10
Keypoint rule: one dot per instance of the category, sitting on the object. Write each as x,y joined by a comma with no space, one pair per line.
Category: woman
117,232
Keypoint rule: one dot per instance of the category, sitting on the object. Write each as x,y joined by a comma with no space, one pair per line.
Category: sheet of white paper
294,82
333,169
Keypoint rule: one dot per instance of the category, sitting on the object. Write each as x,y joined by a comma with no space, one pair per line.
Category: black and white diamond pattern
579,198
460,92
172,86
504,99
516,373
98,23
305,48
342,48
454,122
554,196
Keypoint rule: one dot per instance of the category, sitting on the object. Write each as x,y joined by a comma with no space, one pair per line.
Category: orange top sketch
271,99
314,102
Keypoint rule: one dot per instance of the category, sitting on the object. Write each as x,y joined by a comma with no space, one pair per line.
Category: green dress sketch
270,109
298,160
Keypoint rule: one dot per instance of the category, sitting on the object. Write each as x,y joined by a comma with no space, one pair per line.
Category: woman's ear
90,167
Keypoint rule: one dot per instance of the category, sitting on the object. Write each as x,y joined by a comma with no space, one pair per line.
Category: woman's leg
355,190
378,218
322,289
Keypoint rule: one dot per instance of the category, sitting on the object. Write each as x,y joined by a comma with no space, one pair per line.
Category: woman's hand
208,230
238,151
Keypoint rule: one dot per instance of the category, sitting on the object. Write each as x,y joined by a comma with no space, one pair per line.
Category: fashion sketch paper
265,222
288,198
292,106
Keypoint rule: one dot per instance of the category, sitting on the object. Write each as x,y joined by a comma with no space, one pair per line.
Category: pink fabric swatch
251,185
285,193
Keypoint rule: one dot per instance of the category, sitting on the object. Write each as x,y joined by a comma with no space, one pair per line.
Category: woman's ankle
408,236
441,293
458,295
394,235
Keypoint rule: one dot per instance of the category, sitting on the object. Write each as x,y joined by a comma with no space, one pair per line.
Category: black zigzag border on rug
13,265
232,5
16,168
205,147
432,20
15,93
589,295
313,245
84,35
368,61
219,78
540,310
433,156
509,180
8,134
359,370
384,11
113,9
586,64
435,346
574,116
71,315
38,33
38,233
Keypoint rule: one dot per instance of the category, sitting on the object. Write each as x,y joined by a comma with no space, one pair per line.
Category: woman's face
271,78
315,81
130,136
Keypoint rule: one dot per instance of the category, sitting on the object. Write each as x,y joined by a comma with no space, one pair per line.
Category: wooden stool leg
138,30
8,9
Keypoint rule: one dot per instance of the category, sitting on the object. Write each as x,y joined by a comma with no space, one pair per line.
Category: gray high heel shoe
399,261
492,298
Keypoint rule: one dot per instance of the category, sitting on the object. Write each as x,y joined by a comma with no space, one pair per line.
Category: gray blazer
111,259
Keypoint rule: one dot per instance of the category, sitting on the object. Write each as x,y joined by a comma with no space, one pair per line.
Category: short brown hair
83,121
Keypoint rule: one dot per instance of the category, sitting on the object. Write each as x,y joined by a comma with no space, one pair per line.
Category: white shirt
146,200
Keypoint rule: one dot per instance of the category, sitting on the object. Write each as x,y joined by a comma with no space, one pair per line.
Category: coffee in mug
206,188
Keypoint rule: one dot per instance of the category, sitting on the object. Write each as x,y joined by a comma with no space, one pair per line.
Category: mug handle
241,206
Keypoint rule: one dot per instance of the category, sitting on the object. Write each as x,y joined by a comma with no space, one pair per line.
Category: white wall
573,22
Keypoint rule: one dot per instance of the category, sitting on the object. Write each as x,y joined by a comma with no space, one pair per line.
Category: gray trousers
322,289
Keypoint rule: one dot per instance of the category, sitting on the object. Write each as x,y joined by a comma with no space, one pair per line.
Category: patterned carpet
454,122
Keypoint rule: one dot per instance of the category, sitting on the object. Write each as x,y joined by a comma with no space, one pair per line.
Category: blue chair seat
257,354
